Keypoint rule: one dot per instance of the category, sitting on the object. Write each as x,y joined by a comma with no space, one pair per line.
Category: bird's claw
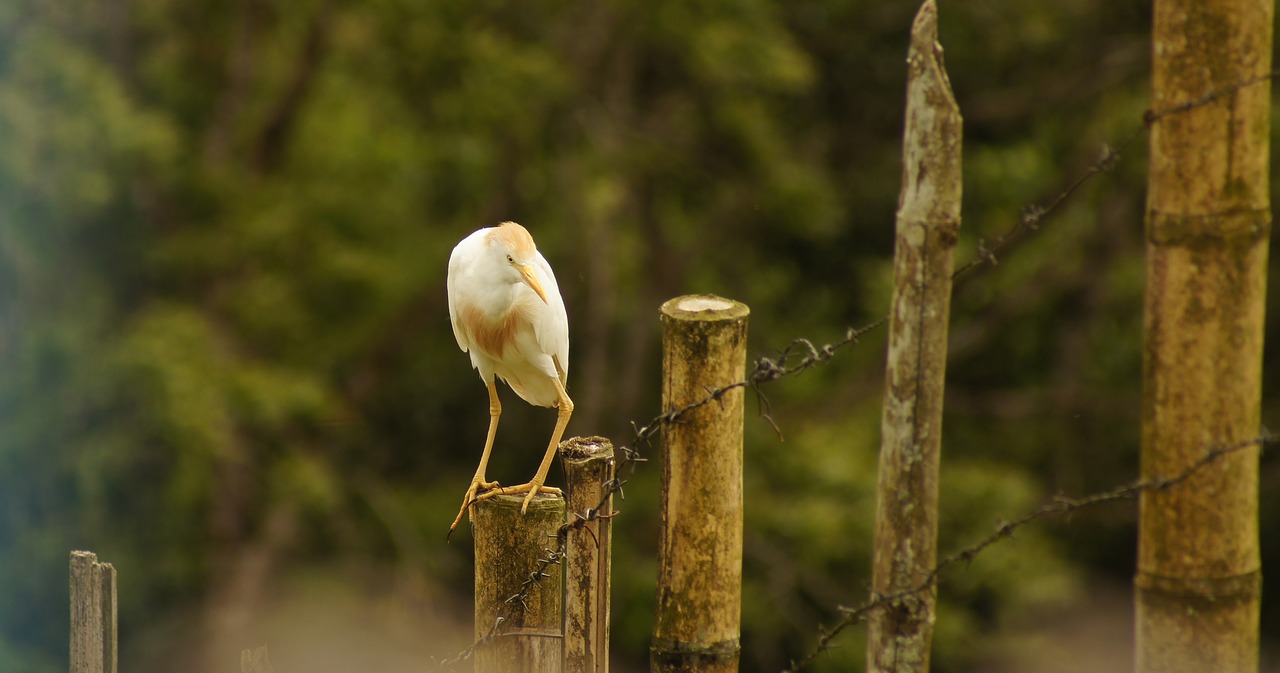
471,498
530,490
534,491
492,489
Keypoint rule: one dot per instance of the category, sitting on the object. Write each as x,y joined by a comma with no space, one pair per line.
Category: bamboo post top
705,307
542,502
579,449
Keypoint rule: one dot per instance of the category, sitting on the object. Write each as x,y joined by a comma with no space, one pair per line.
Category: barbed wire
798,356
1030,220
802,354
1060,505
1033,215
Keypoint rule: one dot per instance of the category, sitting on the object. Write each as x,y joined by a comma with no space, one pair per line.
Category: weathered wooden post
588,468
1207,226
93,614
696,629
508,547
928,222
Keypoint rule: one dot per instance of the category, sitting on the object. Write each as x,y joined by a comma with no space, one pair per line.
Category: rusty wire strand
1030,220
801,354
1059,505
1031,217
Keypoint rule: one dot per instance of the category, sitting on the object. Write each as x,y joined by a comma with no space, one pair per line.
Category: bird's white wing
552,325
457,260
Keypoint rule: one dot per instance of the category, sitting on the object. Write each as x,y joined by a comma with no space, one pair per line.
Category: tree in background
224,355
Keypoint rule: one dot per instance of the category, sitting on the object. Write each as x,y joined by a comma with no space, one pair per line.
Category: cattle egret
507,314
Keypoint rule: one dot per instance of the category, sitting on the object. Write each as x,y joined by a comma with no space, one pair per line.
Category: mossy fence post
1208,222
699,602
509,546
93,614
906,534
588,469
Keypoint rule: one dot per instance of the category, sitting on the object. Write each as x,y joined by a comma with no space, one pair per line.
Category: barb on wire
801,354
1032,216
1152,116
1058,506
798,356
1030,220
518,602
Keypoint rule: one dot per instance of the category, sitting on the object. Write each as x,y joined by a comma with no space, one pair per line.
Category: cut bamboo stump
588,469
928,223
697,625
93,614
509,546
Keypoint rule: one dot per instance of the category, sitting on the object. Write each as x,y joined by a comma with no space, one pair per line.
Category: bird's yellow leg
478,481
562,419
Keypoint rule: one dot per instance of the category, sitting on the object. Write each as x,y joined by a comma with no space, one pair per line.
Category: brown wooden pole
696,628
928,222
508,548
588,468
110,625
1208,221
93,614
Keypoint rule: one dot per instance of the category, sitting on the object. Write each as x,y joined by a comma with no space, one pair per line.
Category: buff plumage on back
515,236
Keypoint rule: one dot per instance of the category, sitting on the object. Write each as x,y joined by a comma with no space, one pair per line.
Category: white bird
507,314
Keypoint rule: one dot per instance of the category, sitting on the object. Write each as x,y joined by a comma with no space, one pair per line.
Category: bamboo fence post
1198,580
699,602
588,468
93,614
928,222
508,545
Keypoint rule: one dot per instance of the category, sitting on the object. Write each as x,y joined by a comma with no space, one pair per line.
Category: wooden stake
699,605
900,636
588,467
93,614
1208,221
508,547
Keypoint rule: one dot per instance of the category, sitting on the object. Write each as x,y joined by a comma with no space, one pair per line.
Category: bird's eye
510,260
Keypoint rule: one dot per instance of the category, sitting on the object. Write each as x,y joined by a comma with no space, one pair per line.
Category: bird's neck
497,302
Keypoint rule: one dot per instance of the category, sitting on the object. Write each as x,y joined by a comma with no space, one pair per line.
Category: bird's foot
531,488
477,484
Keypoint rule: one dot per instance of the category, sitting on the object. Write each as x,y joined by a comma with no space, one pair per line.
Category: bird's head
519,254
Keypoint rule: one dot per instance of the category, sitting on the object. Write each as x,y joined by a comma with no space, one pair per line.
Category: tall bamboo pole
588,467
508,546
1208,219
699,606
899,637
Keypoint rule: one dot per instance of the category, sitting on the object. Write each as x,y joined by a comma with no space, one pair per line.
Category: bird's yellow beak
526,272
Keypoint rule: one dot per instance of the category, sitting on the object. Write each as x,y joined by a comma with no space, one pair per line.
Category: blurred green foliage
223,237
